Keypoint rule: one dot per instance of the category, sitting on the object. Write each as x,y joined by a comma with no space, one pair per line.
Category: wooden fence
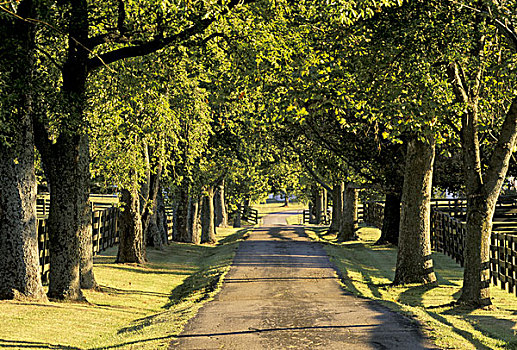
325,217
249,214
105,234
373,213
448,234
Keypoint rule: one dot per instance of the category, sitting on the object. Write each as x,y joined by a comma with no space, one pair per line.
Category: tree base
16,295
480,304
427,280
72,296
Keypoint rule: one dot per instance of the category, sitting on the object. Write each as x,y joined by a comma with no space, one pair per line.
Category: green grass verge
139,307
367,271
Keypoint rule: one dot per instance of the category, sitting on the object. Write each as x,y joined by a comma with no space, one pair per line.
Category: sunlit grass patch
277,207
367,271
138,307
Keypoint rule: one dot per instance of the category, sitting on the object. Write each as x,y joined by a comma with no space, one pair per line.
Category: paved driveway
283,293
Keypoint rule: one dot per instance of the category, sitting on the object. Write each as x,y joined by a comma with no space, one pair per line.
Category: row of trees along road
180,100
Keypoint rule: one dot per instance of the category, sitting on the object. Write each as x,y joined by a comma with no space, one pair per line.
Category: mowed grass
273,207
139,307
367,271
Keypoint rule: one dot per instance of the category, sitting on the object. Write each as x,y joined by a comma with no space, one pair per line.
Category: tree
19,258
97,36
476,75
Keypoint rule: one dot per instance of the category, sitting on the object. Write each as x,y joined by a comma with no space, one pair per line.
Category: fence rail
105,232
503,261
249,214
373,213
326,218
97,201
448,234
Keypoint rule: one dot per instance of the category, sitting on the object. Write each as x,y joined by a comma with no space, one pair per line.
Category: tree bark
349,226
221,214
194,218
161,218
414,262
208,233
319,206
131,247
482,194
182,231
69,221
149,216
337,207
391,219
237,219
19,263
286,199
66,164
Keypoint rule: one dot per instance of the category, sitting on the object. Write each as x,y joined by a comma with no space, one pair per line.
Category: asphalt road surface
283,293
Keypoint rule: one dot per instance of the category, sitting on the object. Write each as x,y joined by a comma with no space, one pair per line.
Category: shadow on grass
113,290
21,344
196,287
414,296
202,283
462,333
144,322
145,271
498,328
136,342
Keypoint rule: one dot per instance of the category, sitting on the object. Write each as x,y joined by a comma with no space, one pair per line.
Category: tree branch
158,42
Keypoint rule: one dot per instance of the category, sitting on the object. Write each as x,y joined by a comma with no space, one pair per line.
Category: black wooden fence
249,214
105,216
104,235
448,232
326,217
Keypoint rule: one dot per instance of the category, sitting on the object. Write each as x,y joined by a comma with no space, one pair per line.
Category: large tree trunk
414,262
208,218
482,194
161,218
149,216
349,226
237,222
391,219
286,199
131,247
325,205
337,207
194,220
476,274
69,222
319,206
66,163
182,217
221,215
19,264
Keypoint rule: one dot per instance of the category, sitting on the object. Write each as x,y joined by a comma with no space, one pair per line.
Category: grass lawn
139,307
367,271
277,207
